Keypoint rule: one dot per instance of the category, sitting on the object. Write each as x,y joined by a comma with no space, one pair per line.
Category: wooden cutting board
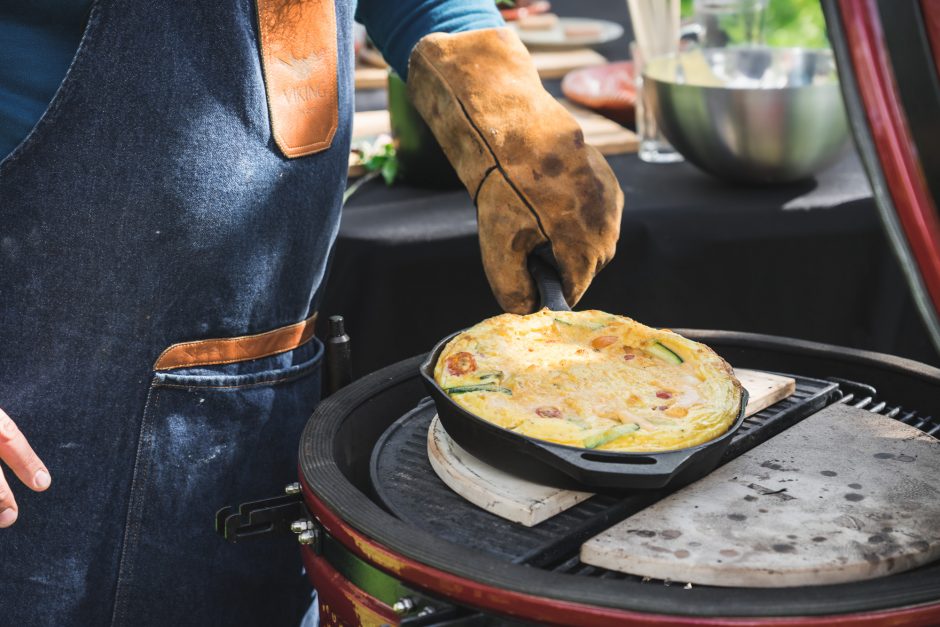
372,73
368,124
527,503
368,77
842,496
555,64
605,135
492,489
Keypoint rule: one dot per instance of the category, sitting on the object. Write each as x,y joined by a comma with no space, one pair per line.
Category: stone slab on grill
844,495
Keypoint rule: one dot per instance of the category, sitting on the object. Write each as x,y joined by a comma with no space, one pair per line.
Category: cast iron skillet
567,466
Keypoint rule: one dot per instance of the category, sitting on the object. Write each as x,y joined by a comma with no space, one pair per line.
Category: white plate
555,38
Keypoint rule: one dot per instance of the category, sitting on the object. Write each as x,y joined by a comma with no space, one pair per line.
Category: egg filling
591,380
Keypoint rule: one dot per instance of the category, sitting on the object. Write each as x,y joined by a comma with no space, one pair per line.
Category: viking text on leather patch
298,55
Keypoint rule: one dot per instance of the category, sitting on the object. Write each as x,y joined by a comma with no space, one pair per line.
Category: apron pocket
214,436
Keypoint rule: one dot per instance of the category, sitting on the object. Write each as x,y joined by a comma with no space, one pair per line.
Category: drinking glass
724,23
656,27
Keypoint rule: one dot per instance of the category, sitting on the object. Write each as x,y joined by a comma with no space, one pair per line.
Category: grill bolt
292,488
403,606
310,536
301,525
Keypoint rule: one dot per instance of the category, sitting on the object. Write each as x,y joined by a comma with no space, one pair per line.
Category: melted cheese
590,379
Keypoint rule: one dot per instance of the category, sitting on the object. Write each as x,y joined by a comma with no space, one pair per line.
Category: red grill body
342,603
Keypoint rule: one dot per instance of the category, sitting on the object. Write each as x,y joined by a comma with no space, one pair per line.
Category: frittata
591,380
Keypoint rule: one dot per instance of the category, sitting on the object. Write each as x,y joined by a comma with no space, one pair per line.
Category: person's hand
522,157
16,453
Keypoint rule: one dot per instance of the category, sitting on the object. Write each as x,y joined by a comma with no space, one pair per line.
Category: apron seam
291,377
133,521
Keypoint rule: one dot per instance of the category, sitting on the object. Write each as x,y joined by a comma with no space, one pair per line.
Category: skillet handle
637,471
544,271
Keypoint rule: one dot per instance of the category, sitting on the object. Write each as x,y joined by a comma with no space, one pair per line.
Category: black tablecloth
807,260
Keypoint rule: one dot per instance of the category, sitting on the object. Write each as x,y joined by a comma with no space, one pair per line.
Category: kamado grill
385,541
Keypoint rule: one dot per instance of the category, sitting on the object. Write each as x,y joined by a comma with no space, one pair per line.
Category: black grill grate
405,483
866,397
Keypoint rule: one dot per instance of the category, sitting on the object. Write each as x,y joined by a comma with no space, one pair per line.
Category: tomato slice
461,363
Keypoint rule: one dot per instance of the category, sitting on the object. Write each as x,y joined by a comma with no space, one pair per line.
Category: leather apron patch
298,56
235,349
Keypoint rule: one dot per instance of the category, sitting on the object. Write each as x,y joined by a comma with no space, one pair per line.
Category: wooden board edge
471,492
527,514
757,403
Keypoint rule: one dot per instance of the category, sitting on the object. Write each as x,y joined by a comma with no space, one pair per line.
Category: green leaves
385,161
788,23
378,158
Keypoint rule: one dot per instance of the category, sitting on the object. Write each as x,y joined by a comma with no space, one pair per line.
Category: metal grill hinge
285,513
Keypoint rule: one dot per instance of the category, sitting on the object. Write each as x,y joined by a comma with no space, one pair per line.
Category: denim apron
150,206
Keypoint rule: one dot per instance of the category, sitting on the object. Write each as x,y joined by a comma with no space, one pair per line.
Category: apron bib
160,259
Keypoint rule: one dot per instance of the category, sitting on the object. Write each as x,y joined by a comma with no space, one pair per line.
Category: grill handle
544,271
338,356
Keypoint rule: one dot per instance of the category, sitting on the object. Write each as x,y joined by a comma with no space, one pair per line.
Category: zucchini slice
591,326
664,352
479,387
609,435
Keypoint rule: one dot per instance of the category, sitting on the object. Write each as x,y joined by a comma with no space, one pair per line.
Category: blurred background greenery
789,23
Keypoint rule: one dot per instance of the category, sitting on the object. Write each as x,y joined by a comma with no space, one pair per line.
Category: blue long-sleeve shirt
38,39
396,26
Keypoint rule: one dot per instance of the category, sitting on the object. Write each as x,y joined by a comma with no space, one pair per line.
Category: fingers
8,508
508,232
577,270
20,457
510,280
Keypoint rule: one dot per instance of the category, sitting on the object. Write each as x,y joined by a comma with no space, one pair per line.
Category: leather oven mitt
521,156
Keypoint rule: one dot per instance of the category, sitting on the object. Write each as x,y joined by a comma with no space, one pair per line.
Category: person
168,200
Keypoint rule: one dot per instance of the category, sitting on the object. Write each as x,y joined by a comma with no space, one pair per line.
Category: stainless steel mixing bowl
759,115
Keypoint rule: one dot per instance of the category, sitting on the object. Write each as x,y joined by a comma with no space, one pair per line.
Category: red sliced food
521,8
608,89
548,412
461,363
